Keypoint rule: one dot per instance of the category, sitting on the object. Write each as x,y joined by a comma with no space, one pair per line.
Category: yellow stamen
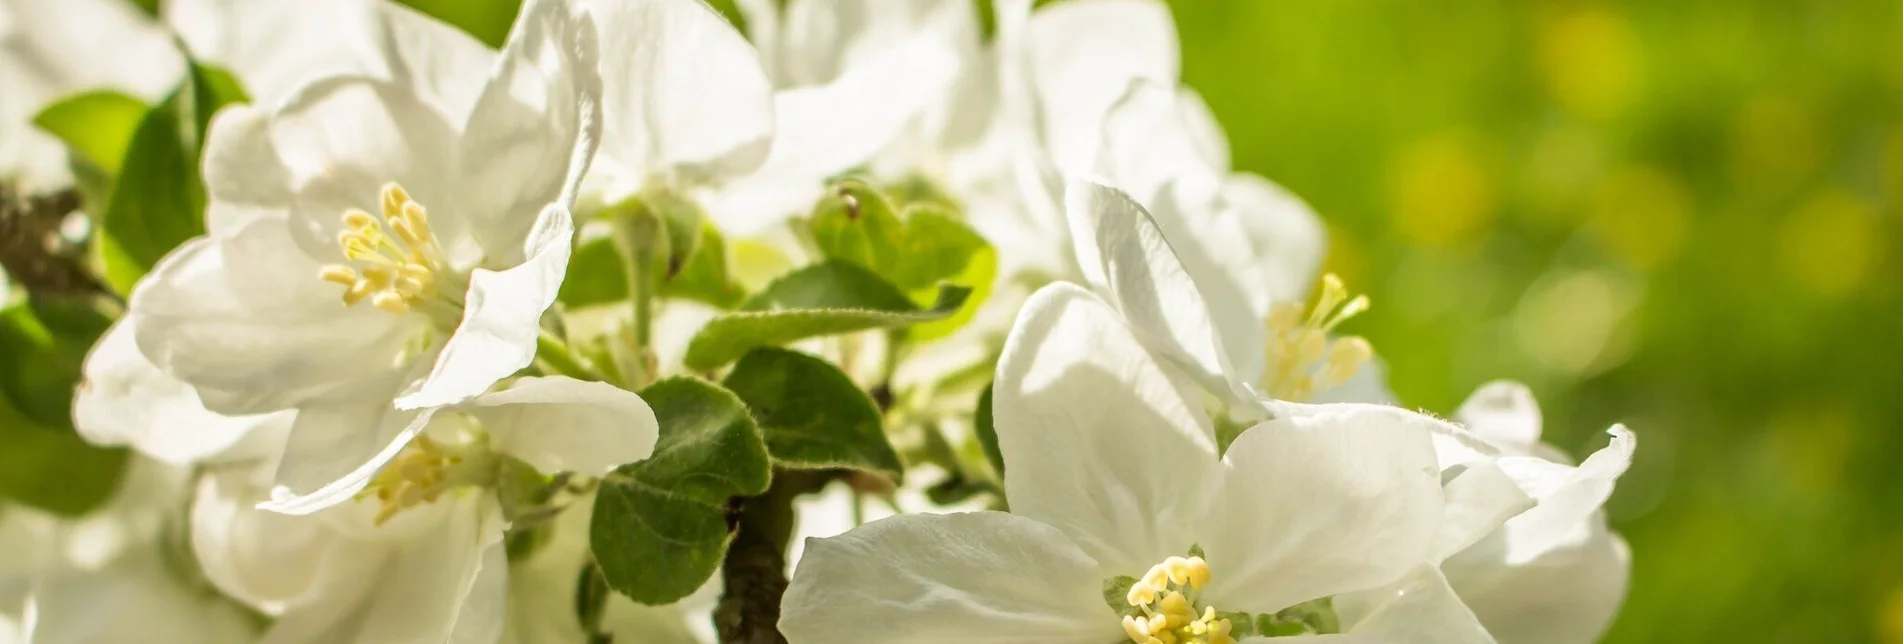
1302,359
1167,598
396,257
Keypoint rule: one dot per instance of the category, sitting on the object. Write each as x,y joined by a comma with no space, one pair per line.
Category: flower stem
553,356
636,231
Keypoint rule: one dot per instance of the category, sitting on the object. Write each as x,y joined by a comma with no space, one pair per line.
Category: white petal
1419,608
1215,254
248,316
480,618
502,316
445,66
682,90
1148,143
272,47
1569,498
560,424
343,139
1503,413
1566,596
337,444
425,590
1328,499
267,560
825,129
134,600
1479,499
1287,238
535,128
1096,440
125,400
1125,255
243,174
1084,55
978,577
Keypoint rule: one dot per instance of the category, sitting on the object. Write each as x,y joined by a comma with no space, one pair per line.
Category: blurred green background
1677,215
1682,216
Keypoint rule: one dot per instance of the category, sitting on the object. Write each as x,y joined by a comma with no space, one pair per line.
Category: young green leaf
661,525
45,343
988,433
824,299
915,250
158,199
53,470
813,416
96,126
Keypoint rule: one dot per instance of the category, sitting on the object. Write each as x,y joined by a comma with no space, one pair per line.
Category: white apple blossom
1219,344
302,298
1112,473
107,576
1555,573
419,556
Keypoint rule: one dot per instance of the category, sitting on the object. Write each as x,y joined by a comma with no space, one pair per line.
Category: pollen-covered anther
1166,601
393,258
424,471
1302,359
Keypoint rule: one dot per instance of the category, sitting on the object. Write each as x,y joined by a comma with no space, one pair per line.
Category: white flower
381,238
1554,573
125,400
276,47
1111,473
1221,344
684,100
51,49
419,557
104,577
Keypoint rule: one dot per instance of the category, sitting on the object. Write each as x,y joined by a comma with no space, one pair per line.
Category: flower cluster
883,321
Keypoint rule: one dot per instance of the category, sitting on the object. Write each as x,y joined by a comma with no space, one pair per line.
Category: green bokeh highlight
1682,216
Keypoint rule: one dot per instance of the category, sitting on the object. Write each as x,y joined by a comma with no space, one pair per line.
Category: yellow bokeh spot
1441,191
1589,60
1570,323
1774,143
1831,244
1641,215
1890,618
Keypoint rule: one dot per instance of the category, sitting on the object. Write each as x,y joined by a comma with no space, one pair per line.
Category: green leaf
946,250
96,126
45,344
813,416
988,433
1116,593
855,223
43,462
158,199
53,470
925,245
597,274
705,278
661,526
823,299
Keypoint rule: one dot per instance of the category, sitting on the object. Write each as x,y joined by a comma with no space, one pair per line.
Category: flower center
1302,360
1165,602
426,469
394,258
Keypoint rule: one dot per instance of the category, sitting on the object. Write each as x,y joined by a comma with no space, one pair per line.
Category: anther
338,274
391,302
